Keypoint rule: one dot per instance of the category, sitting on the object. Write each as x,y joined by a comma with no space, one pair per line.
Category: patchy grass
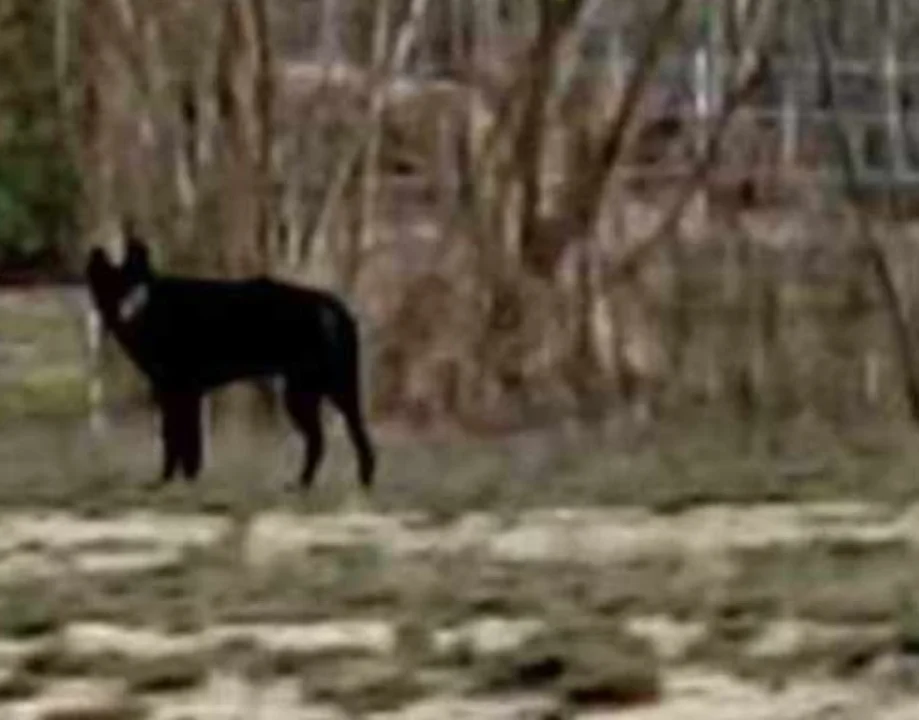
18,684
172,673
669,469
361,685
584,659
51,659
833,582
173,598
44,392
29,610
126,709
828,583
590,665
42,373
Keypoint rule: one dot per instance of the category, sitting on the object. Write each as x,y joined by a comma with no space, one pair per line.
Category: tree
38,182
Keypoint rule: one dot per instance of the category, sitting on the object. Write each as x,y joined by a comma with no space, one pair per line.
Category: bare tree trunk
99,219
64,15
65,12
746,77
330,31
586,194
892,85
266,222
371,175
330,53
790,95
97,164
245,97
869,246
406,40
530,149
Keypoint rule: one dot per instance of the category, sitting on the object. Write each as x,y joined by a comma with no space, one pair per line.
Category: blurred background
540,210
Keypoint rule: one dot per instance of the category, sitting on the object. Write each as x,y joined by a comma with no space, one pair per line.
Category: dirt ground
540,577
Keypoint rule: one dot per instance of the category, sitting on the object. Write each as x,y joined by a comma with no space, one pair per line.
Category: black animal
189,336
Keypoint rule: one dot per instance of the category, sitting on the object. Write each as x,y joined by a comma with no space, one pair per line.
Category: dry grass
171,673
17,684
584,656
590,664
674,466
361,685
118,711
29,610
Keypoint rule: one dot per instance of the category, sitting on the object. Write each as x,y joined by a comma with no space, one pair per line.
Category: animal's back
266,327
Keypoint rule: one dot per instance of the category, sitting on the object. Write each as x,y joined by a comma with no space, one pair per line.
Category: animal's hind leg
348,402
303,407
170,434
190,447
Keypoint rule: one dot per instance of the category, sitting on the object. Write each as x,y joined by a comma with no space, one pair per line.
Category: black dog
189,336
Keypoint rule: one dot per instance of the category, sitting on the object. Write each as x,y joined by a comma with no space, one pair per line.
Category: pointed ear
98,266
100,274
137,259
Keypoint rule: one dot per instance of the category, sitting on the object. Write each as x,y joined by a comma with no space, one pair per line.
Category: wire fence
876,70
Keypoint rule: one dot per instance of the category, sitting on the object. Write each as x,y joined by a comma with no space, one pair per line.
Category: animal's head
120,292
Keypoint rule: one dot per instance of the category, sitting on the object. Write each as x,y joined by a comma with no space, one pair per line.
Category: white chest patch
133,303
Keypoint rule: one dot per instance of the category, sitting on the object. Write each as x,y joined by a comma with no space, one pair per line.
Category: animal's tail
347,393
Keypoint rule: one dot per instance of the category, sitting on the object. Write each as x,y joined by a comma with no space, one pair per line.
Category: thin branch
586,196
405,41
510,116
264,82
748,78
869,245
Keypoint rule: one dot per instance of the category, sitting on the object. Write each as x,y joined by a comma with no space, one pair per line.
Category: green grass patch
29,610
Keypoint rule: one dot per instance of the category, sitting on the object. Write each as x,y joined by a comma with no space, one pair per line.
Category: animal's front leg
171,435
189,434
181,433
